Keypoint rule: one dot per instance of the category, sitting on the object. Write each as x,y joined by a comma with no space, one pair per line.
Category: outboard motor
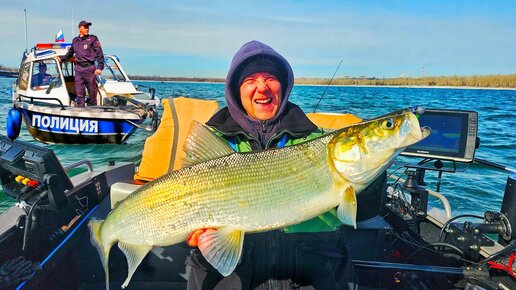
509,207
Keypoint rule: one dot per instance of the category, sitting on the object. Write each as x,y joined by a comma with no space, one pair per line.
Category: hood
249,51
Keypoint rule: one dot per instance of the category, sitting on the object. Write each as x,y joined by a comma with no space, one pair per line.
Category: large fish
257,191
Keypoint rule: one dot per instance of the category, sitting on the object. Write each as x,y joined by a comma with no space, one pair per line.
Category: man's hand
16,271
193,238
98,71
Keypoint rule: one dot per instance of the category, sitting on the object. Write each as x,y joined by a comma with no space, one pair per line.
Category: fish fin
222,248
347,209
96,239
134,254
202,145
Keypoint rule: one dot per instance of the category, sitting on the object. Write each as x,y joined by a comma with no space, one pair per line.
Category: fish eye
388,124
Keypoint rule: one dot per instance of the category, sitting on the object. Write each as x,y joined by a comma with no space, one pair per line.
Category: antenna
327,87
26,42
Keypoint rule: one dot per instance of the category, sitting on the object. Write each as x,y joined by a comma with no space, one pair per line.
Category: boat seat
171,134
120,190
333,121
163,151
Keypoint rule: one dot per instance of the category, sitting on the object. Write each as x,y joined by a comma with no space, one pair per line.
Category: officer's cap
84,23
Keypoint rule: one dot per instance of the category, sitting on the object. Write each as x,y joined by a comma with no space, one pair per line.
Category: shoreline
415,87
356,86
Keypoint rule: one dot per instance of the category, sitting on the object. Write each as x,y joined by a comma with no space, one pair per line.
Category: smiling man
259,116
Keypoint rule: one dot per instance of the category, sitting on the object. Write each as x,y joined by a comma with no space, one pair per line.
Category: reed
487,81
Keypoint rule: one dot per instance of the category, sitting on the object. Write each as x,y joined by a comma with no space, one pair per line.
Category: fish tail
96,239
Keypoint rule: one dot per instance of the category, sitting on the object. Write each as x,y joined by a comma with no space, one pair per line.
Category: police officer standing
87,49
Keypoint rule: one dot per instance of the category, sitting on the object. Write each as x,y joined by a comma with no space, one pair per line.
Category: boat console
49,203
28,171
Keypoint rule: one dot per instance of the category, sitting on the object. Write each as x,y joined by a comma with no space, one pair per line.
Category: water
478,189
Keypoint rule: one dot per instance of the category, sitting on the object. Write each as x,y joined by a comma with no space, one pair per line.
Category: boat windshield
112,71
44,72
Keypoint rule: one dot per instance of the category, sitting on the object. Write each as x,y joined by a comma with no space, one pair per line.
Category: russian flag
60,36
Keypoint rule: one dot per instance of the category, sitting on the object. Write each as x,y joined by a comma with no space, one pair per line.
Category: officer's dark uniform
87,49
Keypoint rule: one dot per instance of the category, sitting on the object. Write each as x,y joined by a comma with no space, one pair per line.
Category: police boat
44,96
398,242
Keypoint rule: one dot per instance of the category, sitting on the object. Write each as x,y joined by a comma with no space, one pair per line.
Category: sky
198,38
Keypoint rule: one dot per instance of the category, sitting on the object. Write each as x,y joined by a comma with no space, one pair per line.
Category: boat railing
77,164
32,98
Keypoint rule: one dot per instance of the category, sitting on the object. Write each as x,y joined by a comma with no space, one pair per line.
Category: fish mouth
413,130
425,132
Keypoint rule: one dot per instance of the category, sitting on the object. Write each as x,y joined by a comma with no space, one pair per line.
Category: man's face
260,94
84,30
42,69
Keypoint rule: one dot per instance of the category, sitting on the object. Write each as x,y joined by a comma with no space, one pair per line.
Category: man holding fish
265,218
259,116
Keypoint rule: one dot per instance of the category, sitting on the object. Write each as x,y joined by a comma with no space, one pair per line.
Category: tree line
176,79
8,69
487,81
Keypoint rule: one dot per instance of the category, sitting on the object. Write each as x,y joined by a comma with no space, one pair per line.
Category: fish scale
252,192
228,193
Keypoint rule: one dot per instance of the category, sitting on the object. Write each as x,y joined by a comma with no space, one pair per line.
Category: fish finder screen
452,137
445,133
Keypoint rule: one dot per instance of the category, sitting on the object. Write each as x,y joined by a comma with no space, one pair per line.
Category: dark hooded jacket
232,122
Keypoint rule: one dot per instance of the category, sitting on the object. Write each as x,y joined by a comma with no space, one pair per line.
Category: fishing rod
495,165
320,98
